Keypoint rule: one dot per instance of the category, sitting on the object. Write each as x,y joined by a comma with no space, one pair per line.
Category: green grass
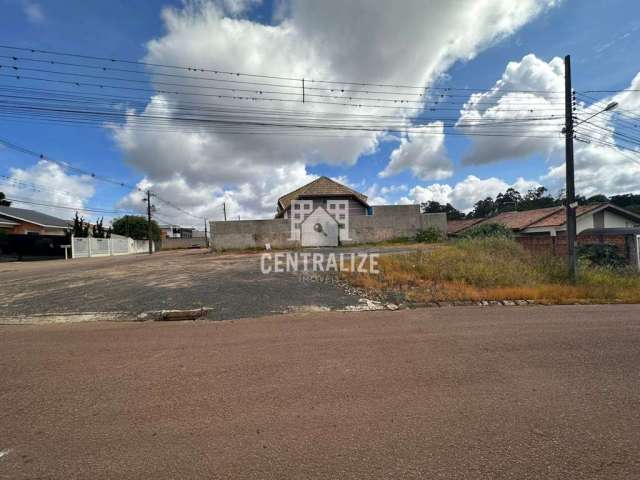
496,269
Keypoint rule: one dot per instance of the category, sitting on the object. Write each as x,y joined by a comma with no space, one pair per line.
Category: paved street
466,392
231,285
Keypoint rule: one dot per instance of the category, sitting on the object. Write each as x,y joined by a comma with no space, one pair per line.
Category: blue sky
602,38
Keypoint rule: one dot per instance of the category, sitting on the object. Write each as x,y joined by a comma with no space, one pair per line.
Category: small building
175,231
325,213
20,221
552,221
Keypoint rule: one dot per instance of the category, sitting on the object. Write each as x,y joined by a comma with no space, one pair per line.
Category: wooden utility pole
149,231
224,210
570,177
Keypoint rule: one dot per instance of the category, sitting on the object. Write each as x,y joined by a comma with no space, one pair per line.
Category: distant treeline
512,200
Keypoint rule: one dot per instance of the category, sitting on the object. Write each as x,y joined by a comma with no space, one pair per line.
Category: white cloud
381,195
47,182
598,168
423,153
466,192
328,40
33,11
502,104
247,200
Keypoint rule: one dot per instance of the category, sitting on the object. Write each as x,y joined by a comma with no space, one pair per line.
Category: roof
320,187
455,226
523,219
559,218
4,222
31,216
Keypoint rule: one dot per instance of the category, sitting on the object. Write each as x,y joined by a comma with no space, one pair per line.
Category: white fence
105,247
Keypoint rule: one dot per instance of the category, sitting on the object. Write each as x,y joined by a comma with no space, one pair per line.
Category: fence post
72,242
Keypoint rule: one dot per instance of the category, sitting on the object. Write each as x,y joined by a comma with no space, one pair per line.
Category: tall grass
496,269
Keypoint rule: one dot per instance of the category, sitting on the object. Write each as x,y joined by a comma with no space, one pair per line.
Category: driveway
482,393
231,285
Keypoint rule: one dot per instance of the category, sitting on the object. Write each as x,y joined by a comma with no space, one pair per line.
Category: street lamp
608,108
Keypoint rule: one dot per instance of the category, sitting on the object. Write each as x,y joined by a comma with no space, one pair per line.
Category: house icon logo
319,225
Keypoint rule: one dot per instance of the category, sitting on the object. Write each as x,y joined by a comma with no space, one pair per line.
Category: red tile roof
455,226
560,217
520,220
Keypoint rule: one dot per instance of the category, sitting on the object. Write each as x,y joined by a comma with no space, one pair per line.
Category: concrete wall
388,222
240,234
175,243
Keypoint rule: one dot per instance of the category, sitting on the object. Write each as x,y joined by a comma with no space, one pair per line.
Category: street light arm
608,108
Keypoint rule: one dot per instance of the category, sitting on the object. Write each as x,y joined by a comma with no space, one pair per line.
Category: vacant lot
231,285
497,269
511,392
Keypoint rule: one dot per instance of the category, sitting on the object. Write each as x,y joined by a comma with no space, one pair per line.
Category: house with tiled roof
552,221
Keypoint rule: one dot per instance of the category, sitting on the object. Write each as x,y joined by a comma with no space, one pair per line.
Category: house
19,221
175,231
552,221
321,191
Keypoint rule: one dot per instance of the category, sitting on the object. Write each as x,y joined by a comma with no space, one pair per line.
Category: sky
495,55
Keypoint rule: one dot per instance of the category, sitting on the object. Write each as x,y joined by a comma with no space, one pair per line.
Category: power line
243,74
68,207
93,175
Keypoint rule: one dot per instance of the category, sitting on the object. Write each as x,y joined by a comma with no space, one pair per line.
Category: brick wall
548,245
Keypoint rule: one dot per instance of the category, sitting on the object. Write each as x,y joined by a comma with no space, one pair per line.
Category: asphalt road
466,392
232,286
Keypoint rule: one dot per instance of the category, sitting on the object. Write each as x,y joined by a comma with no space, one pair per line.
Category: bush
430,235
486,230
601,255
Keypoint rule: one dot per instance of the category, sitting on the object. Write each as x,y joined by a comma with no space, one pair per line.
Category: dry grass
495,269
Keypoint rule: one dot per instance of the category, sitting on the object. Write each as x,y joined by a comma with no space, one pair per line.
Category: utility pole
570,179
224,209
149,221
206,238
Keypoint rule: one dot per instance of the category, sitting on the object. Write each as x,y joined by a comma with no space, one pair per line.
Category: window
296,206
341,216
296,215
341,207
332,206
307,206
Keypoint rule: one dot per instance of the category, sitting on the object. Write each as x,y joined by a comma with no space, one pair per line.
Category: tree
98,229
629,201
483,208
3,202
537,198
599,198
508,201
80,228
135,226
436,207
